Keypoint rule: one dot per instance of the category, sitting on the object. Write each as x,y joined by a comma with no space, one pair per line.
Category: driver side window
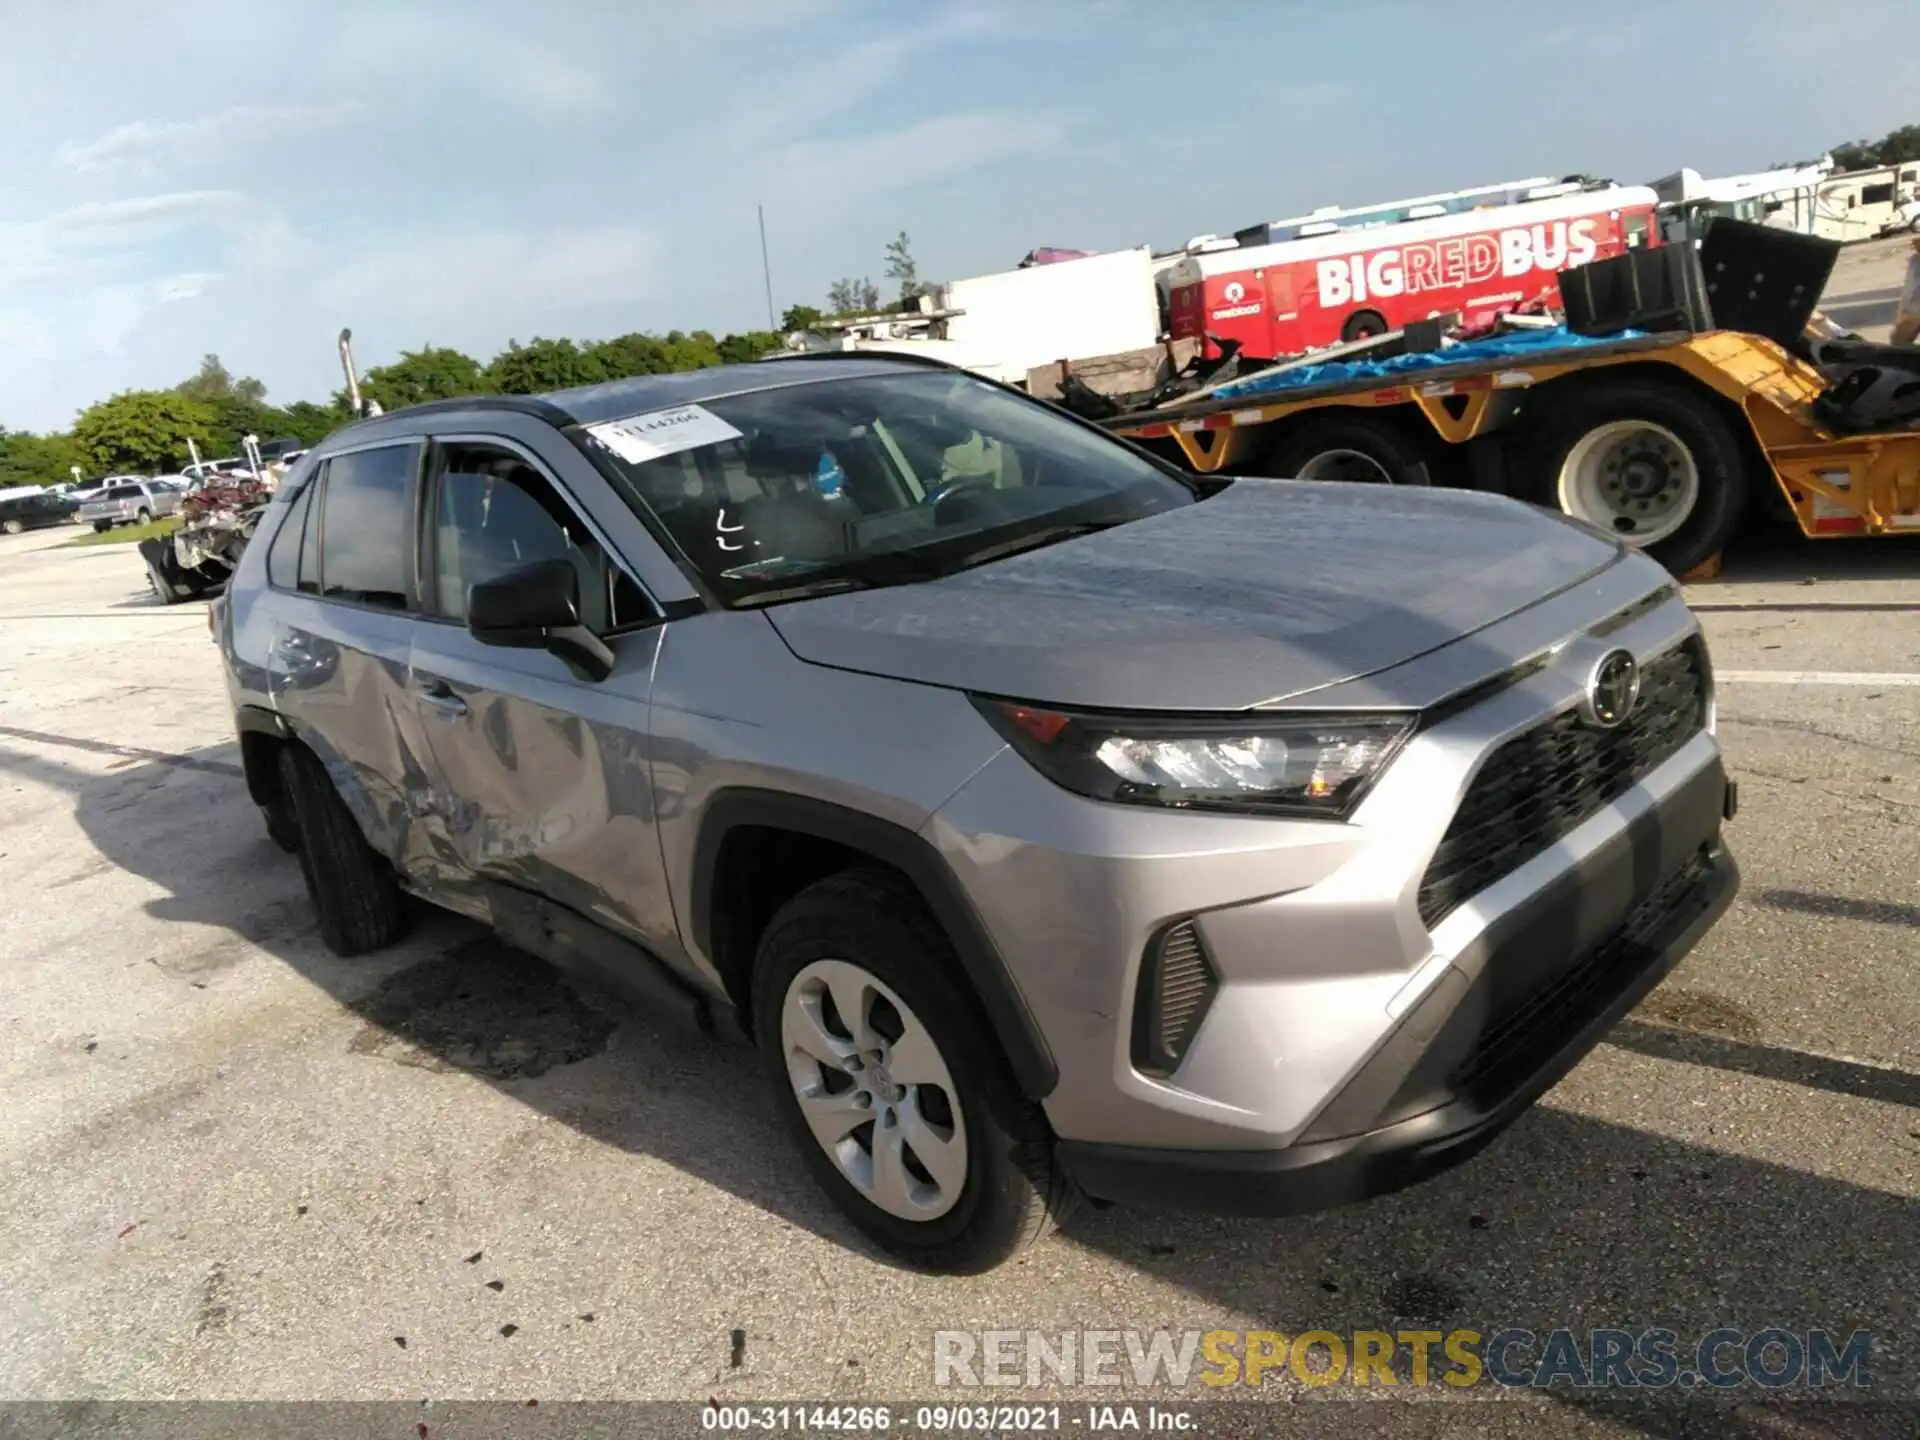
494,512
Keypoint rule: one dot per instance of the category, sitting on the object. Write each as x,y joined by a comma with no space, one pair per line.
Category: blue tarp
1520,345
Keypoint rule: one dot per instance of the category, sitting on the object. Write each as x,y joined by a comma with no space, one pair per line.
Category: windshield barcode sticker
640,438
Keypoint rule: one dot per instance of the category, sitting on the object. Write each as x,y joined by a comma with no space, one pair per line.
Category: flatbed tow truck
1662,439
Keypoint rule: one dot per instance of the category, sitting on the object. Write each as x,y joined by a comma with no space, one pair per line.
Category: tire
1345,448
1680,431
282,828
866,931
161,586
12,527
355,896
1363,325
143,516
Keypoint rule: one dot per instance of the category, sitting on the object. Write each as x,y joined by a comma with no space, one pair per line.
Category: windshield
842,483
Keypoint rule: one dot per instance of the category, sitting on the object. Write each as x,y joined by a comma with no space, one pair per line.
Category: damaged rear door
342,636
542,778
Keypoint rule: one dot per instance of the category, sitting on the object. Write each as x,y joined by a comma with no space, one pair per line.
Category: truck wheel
1336,447
890,1083
355,896
162,586
142,516
1363,325
1652,464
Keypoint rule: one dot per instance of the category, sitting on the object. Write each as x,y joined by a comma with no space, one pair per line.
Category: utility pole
766,269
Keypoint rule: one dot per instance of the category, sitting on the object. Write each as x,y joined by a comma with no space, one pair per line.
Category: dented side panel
339,673
541,779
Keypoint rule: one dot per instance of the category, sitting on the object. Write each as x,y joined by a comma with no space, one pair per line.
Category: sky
246,178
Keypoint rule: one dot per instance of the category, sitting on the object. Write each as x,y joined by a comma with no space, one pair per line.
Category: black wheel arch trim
1013,1023
258,720
263,779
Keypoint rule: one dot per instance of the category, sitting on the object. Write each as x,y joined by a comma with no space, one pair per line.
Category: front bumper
1553,975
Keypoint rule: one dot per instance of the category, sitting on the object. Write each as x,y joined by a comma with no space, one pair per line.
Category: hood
1271,589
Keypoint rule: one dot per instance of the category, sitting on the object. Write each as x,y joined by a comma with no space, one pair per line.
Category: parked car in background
131,503
1050,818
28,507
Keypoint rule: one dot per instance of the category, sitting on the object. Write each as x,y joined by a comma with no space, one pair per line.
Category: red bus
1305,294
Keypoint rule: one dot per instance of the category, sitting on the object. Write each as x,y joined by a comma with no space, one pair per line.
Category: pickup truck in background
129,503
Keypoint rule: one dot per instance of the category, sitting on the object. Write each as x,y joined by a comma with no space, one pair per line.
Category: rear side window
283,560
125,492
366,527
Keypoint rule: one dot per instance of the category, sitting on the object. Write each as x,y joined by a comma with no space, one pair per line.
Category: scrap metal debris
217,521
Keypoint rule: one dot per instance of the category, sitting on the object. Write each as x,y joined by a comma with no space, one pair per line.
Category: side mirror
537,607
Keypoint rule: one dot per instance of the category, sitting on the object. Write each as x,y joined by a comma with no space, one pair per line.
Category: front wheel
12,527
1656,466
890,1083
144,516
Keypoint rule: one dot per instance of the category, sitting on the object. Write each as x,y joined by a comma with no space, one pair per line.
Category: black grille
1525,1026
1176,986
1540,785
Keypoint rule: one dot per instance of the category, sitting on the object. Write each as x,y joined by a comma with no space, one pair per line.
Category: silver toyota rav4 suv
1054,822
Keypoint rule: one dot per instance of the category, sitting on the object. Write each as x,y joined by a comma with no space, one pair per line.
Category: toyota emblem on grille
1613,691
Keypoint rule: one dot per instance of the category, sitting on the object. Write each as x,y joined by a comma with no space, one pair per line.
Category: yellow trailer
1662,439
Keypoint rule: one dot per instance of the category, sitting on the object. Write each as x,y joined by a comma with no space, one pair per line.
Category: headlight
1274,764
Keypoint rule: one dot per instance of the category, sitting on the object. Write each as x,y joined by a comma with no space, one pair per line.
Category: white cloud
826,173
172,288
479,287
167,144
393,54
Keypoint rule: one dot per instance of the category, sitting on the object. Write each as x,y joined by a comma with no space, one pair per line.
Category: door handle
439,695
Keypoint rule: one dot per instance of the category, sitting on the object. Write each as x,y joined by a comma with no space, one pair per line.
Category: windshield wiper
806,590
1032,540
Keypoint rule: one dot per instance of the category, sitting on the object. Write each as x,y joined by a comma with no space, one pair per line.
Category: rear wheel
890,1083
1363,325
1656,466
355,896
1336,447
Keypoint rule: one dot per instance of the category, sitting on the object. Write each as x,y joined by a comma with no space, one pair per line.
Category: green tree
1854,155
735,349
627,355
901,266
213,381
698,351
1896,147
142,430
311,423
541,365
234,418
1900,146
27,459
801,317
431,373
853,297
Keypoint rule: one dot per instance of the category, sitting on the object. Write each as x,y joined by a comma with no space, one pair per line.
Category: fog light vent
1177,984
